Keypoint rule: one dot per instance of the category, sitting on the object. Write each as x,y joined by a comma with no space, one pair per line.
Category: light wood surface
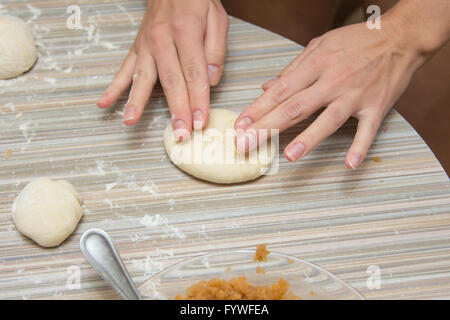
393,214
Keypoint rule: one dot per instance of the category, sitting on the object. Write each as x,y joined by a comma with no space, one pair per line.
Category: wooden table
392,216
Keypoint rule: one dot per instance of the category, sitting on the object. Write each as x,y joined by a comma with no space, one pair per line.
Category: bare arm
355,72
423,25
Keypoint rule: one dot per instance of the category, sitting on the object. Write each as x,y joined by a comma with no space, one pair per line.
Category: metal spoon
99,250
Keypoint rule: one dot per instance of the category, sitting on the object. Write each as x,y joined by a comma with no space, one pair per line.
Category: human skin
353,71
183,43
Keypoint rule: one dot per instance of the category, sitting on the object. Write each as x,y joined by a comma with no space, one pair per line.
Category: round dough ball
17,50
47,211
211,153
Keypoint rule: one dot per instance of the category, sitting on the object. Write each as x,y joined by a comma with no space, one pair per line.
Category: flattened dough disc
211,154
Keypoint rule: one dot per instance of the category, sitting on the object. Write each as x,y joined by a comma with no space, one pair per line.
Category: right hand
183,43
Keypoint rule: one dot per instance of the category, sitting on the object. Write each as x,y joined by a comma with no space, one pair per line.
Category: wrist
406,40
413,27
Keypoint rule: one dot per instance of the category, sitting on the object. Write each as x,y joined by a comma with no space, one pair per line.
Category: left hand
353,71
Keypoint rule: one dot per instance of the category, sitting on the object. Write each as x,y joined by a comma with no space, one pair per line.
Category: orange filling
237,289
261,253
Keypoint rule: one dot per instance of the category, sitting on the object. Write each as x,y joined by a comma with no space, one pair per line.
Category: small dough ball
211,153
47,211
17,50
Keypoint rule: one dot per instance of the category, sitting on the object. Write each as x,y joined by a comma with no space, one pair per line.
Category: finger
292,111
266,85
328,122
193,63
144,78
294,63
120,83
365,134
172,82
215,42
283,88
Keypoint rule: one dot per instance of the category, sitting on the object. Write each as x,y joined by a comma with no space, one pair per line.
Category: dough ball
211,153
17,50
47,211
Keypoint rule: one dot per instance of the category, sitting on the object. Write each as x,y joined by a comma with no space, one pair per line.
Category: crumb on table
260,270
261,253
377,159
237,289
8,154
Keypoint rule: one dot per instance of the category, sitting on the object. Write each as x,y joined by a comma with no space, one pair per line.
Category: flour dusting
148,266
34,11
160,221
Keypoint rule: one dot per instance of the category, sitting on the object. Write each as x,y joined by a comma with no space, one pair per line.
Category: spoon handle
99,250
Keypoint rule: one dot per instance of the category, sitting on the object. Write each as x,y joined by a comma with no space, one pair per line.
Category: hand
183,43
353,71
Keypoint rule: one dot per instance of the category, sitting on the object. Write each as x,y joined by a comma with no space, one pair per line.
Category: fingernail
266,85
213,74
197,117
101,101
295,152
246,141
244,123
130,113
354,161
180,130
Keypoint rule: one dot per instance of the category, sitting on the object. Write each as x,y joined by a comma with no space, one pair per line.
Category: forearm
421,25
